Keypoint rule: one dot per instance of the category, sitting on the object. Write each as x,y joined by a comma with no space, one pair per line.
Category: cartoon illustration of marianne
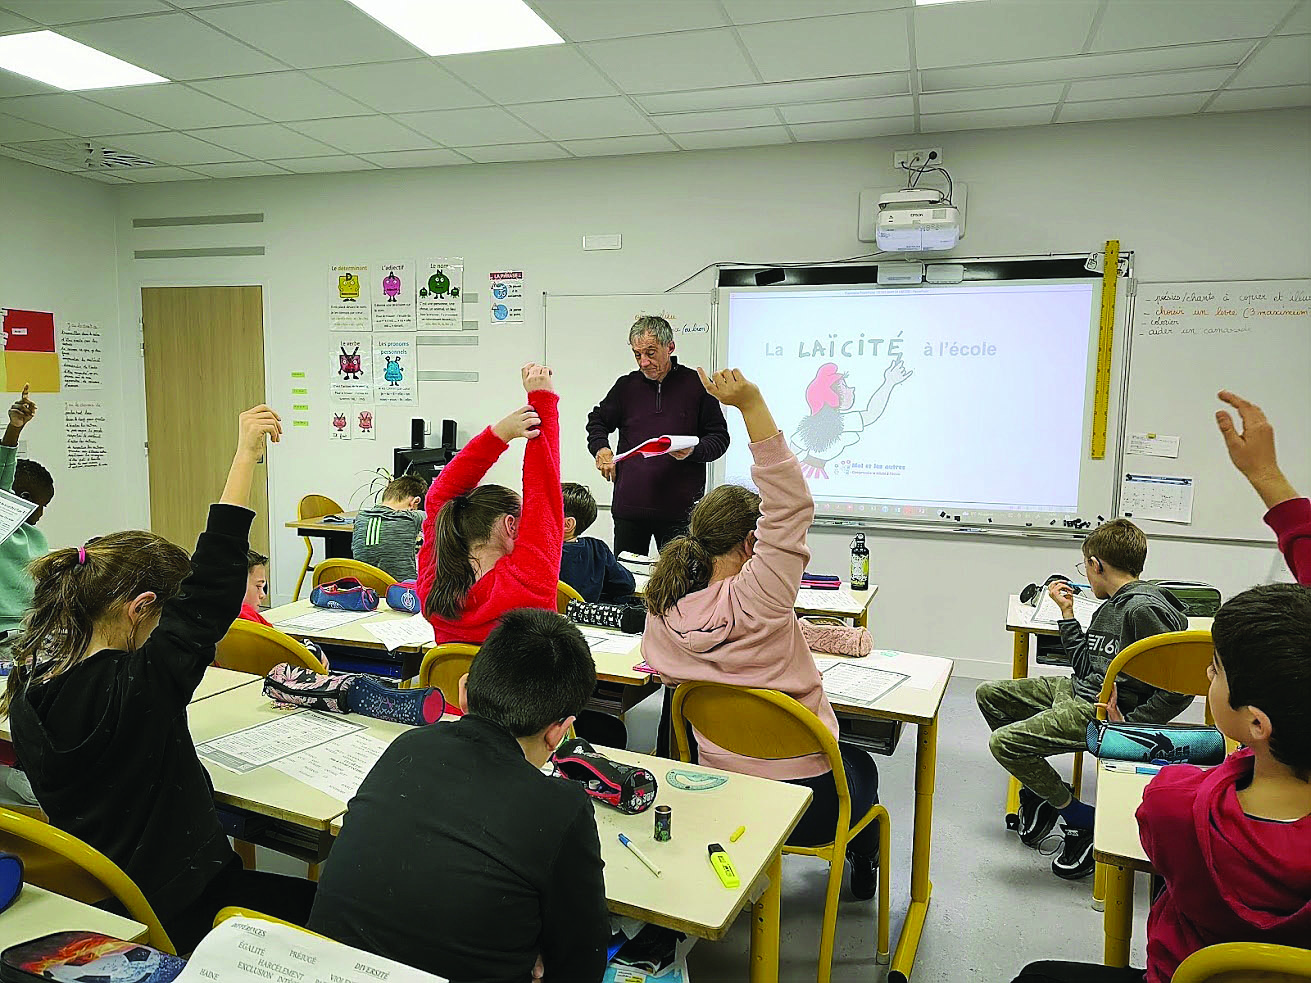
833,425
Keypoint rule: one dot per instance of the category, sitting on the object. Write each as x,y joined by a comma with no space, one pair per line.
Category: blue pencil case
404,596
347,594
1169,743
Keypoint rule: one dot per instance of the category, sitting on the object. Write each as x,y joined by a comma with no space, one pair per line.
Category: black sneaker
1076,859
864,876
1037,818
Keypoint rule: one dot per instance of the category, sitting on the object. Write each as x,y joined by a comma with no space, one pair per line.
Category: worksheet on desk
336,768
324,619
1048,613
609,642
263,744
415,630
814,599
861,685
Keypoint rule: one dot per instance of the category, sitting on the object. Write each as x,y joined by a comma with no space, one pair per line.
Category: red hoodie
1228,877
1291,522
528,575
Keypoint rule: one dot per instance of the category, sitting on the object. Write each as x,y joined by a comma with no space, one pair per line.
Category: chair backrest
367,574
443,665
564,594
28,836
1245,962
314,506
254,648
1174,661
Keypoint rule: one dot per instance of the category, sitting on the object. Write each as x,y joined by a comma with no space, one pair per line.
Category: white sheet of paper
325,619
253,950
921,671
336,768
629,557
612,642
13,513
1165,497
841,599
677,442
860,683
414,630
263,744
1048,612
1152,445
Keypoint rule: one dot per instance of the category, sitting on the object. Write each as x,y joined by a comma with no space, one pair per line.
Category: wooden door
204,354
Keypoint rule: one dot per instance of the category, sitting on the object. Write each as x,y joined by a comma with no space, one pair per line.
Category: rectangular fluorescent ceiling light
64,63
453,27
935,3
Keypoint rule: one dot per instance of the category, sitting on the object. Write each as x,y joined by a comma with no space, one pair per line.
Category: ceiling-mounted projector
917,220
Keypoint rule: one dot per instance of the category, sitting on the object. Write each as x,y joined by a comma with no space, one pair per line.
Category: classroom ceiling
302,86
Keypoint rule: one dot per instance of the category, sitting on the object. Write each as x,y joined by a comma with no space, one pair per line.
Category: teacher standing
654,496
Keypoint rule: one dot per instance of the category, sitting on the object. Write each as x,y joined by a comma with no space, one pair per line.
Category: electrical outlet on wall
902,159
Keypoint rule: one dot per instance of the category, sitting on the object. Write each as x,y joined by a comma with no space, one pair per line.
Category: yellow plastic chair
246,913
763,723
564,594
312,507
443,665
370,576
254,648
1245,962
83,868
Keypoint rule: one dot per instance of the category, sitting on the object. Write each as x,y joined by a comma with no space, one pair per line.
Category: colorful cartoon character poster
507,296
395,370
441,285
341,422
364,423
834,423
352,368
393,296
349,293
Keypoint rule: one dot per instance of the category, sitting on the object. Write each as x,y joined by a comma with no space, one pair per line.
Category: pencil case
1169,743
87,956
836,639
347,594
404,596
624,787
11,879
292,685
628,619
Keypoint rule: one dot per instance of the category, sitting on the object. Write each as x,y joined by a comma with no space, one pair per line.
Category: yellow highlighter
723,866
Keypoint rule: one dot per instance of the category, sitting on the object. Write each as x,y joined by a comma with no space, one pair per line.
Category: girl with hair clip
117,639
720,602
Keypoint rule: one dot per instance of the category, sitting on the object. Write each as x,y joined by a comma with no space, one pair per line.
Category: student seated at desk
457,855
257,588
1233,843
118,638
720,602
1039,716
587,564
385,534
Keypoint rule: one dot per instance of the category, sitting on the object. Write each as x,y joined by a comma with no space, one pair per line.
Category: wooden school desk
37,912
336,536
916,701
353,634
1116,844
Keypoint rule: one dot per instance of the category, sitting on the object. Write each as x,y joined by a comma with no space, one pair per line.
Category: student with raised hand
30,481
1253,452
118,638
484,550
721,601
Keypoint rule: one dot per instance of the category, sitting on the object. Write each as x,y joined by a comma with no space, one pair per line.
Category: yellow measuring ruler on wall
1105,336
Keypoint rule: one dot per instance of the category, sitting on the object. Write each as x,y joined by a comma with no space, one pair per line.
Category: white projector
916,221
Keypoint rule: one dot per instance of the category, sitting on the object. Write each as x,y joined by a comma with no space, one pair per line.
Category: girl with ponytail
721,610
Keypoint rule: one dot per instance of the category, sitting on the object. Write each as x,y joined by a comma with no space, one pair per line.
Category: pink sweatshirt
743,630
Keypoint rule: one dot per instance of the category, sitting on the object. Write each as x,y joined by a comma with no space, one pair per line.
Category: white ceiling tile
283,96
1164,84
155,175
401,86
239,168
1155,23
664,62
18,85
582,119
1300,22
176,46
1280,97
1176,58
760,11
326,165
778,94
986,119
855,129
616,146
74,114
173,105
1000,30
470,127
1001,97
828,112
67,11
1073,112
13,24
514,152
193,4
725,119
173,148
1283,61
311,33
546,72
825,47
588,20
417,158
363,134
757,136
104,177
264,142
14,130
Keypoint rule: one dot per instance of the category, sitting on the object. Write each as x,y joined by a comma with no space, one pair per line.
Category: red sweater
527,576
1291,522
1228,877
248,613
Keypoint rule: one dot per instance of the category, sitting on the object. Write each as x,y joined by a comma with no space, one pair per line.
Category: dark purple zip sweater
658,488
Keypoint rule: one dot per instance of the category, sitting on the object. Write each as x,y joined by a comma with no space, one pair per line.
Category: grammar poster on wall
349,296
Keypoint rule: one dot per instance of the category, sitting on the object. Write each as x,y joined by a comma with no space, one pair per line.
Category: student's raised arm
20,415
535,560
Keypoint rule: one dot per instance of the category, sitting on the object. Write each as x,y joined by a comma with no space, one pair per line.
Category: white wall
1196,198
57,253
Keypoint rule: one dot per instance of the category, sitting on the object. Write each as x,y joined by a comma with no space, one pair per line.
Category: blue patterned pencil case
1169,743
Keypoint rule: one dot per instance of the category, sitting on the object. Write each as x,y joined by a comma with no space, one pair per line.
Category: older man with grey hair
654,496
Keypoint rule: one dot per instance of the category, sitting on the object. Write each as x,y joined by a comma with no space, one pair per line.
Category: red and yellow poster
29,349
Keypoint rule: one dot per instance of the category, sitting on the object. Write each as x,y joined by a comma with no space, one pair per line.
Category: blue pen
1128,768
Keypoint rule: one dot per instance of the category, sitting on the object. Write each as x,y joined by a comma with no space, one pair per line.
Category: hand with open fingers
22,412
1112,706
605,463
730,387
257,424
537,377
897,373
1063,594
523,422
1253,449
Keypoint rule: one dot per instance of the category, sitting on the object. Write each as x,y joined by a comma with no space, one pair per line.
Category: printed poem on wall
84,426
81,353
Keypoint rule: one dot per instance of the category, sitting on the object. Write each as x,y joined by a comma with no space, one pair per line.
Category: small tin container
663,819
